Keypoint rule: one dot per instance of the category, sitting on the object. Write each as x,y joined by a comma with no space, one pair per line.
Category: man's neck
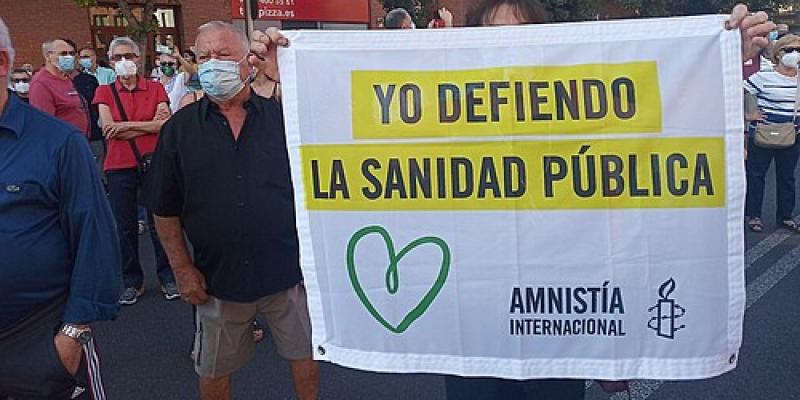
167,79
129,82
784,70
57,72
236,103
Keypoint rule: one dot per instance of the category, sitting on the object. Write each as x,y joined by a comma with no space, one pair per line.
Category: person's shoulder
187,115
268,104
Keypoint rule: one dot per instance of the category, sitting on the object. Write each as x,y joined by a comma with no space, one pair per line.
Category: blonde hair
779,44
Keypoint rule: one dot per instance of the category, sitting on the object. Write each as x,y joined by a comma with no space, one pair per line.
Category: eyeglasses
790,49
127,56
18,80
167,64
64,53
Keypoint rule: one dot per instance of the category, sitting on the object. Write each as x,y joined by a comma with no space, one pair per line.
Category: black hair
528,11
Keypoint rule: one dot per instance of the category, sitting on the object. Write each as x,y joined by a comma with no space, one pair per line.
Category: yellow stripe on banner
562,175
536,100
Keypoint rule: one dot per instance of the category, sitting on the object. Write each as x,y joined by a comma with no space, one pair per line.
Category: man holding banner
518,211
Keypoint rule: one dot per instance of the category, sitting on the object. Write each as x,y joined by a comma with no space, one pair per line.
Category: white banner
523,202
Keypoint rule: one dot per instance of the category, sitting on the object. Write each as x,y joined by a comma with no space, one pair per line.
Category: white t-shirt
176,89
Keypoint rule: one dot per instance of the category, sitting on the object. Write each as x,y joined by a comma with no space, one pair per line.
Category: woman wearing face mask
776,98
132,111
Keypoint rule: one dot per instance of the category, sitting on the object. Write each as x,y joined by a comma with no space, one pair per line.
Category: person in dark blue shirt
59,254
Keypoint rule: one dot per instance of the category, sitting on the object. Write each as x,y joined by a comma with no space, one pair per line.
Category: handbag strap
124,116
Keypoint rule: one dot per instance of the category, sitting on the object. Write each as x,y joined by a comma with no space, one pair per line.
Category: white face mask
791,60
22,87
125,68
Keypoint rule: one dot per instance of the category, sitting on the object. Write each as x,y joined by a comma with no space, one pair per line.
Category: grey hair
123,41
5,41
47,46
394,19
225,26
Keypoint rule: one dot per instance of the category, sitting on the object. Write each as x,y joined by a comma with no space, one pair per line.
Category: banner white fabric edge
702,368
551,34
732,62
288,68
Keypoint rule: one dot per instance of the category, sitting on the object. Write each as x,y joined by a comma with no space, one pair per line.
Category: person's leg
163,269
287,316
306,378
757,164
785,165
215,388
31,367
99,154
223,344
122,189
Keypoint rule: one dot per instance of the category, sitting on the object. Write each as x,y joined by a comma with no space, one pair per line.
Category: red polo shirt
59,98
140,105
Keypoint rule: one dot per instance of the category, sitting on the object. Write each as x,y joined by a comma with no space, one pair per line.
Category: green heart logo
393,276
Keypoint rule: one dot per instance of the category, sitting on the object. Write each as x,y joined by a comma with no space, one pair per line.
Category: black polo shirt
234,197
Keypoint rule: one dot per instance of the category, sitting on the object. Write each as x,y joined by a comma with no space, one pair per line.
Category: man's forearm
148,127
170,231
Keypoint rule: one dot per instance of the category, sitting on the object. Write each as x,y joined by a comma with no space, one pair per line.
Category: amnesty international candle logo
667,312
392,275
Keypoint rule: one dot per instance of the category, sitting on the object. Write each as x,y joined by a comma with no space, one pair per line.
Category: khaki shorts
224,338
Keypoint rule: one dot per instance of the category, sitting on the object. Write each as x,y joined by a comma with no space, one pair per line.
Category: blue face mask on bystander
220,79
66,63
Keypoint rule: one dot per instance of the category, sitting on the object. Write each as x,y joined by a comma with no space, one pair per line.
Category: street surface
145,353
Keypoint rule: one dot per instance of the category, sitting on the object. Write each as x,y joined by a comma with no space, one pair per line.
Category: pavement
145,352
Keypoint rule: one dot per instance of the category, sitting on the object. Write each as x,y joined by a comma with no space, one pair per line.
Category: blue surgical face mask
66,63
773,36
221,79
86,63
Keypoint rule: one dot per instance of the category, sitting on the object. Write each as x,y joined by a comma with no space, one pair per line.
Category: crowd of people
199,145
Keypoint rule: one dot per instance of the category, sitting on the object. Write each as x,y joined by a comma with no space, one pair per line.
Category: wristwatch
81,335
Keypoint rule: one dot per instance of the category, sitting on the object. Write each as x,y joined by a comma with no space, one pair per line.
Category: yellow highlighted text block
535,100
532,175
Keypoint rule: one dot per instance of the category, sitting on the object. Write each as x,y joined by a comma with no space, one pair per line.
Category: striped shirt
775,93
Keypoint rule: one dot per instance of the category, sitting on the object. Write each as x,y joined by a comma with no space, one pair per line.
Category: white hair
221,25
123,41
5,41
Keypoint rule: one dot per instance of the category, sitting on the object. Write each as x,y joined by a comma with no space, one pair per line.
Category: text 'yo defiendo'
389,168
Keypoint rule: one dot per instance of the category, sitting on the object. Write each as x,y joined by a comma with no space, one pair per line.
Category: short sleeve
163,194
103,95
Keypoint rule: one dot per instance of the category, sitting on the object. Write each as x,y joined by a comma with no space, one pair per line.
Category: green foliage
571,10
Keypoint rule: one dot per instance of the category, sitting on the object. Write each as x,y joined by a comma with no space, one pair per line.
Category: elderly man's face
223,45
123,51
58,49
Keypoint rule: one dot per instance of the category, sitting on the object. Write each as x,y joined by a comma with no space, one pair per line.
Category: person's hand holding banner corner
754,28
264,49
